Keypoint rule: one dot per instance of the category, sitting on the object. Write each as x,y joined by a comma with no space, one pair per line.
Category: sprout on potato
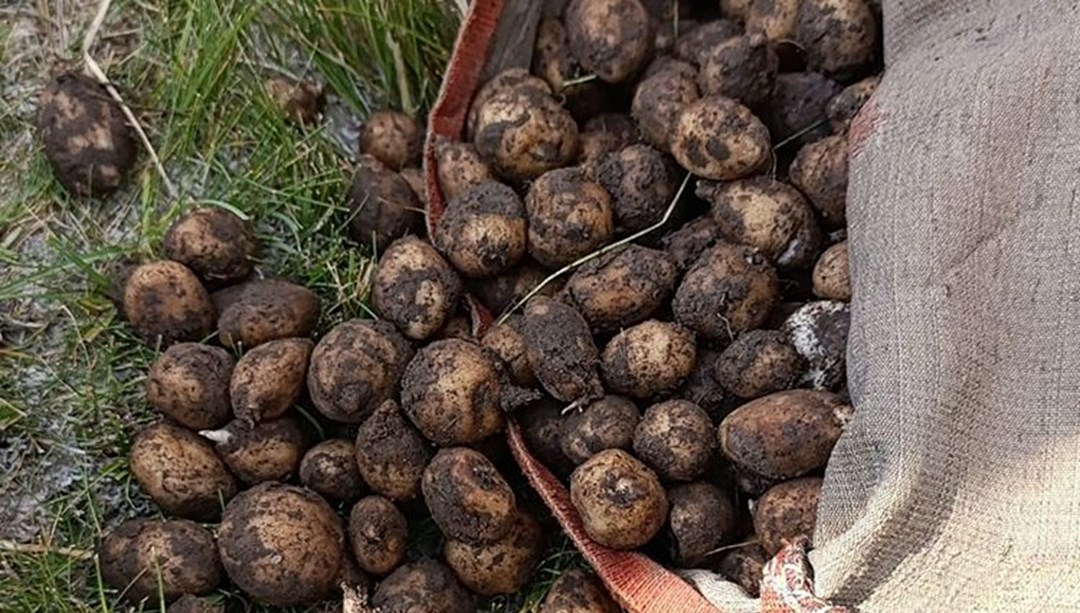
266,451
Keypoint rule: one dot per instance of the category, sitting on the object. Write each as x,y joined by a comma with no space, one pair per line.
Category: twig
78,554
578,81
732,546
799,133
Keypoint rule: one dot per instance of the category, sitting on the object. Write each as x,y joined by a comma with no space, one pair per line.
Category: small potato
460,167
839,37
786,434
832,279
542,427
561,350
165,300
426,586
302,102
607,423
718,138
384,206
500,567
355,367
737,10
329,469
267,451
578,591
691,240
621,502
379,534
798,104
415,288
511,78
611,38
729,290
459,326
393,138
415,178
641,181
523,133
675,438
189,383
745,567
507,341
180,472
650,359
702,388
821,172
775,19
87,140
623,287
482,231
499,293
845,105
569,217
196,604
268,309
695,41
214,243
819,332
468,498
659,100
759,363
391,454
786,511
751,484
606,133
702,519
269,379
742,68
148,557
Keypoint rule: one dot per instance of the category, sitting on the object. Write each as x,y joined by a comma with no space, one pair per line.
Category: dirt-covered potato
355,367
459,326
821,172
758,363
735,9
606,133
523,132
702,519
745,567
832,279
702,388
742,68
786,511
578,591
499,293
610,38
452,393
180,472
391,454
301,102
189,383
266,310
729,290
675,438
696,40
393,138
378,533
165,300
650,359
607,423
282,545
189,603
511,78
554,62
460,167
468,498
415,178
839,37
500,567
507,341
269,379
692,239
482,231
86,138
214,243
329,469
383,205
798,104
622,287
415,288
718,138
845,105
425,586
267,451
542,424
569,215
641,182
819,332
143,556
786,434
659,100
620,500
775,19
561,350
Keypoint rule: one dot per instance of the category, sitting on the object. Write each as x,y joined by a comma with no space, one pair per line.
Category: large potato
265,310
482,230
180,471
425,586
561,350
468,498
786,511
718,138
415,288
659,100
729,290
608,423
758,363
384,206
166,300
839,37
650,359
215,243
269,379
622,287
621,502
391,454
523,132
500,567
820,171
393,138
189,383
569,215
148,557
611,38
675,438
641,181
266,451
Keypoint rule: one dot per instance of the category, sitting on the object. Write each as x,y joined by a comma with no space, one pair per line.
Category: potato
744,566
620,500
267,451
751,484
166,300
86,138
845,105
694,41
425,586
821,172
393,138
145,557
569,217
607,423
729,290
500,567
691,240
784,435
416,180
390,454
180,472
718,138
511,78
542,427
196,604
378,533
189,383
610,38
468,498
578,591
355,367
702,388
415,288
839,37
329,469
659,100
786,511
702,519
622,287
641,181
819,332
507,341
759,363
266,310
383,205
775,19
606,133
675,438
482,231
214,243
561,351
832,279
282,545
737,10
523,132
650,359
460,167
742,68
555,63
768,215
269,379
798,105
499,293
302,102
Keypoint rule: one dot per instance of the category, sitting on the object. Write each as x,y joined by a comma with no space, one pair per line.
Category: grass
71,374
